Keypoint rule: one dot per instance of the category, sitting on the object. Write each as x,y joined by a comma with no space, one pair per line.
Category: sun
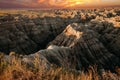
77,3
72,3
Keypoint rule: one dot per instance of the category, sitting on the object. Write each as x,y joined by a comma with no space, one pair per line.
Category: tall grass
16,70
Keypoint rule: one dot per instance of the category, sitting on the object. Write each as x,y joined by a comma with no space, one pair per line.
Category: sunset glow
74,3
56,3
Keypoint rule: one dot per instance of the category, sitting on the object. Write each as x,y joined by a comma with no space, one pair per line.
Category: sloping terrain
28,37
83,49
74,39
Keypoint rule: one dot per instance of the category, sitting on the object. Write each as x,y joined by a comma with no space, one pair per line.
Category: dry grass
15,70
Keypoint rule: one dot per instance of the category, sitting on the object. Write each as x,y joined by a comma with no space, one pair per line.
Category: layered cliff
29,36
86,48
91,38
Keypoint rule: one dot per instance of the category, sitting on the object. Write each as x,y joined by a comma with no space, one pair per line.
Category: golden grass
15,70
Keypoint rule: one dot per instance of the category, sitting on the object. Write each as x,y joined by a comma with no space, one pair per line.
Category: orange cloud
68,3
57,3
41,1
74,3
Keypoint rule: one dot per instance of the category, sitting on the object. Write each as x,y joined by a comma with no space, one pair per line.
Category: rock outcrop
28,37
77,47
28,34
108,35
93,38
86,49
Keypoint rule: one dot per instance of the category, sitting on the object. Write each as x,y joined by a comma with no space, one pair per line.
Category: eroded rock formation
108,35
29,37
86,48
92,38
77,47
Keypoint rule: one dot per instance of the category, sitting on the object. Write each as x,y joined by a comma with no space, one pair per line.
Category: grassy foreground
15,70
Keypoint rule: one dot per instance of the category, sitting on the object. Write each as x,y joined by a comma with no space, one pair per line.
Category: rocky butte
73,39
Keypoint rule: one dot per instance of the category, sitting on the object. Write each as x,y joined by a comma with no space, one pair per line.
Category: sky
57,3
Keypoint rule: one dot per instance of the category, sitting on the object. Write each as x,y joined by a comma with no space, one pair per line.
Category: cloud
68,3
54,3
41,1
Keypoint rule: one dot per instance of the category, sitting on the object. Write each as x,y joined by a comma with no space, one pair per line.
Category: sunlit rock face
73,39
28,33
77,47
86,48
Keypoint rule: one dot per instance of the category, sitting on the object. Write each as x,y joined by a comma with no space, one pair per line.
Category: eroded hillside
73,39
